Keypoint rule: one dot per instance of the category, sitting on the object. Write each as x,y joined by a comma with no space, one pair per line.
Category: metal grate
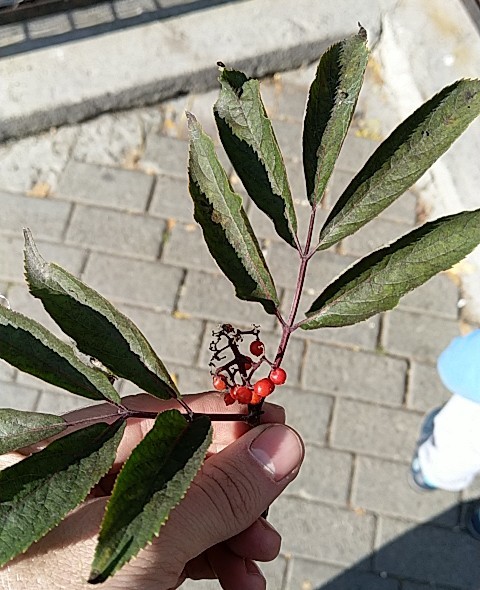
26,25
473,8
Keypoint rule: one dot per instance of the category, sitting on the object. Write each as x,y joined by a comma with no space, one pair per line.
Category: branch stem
289,326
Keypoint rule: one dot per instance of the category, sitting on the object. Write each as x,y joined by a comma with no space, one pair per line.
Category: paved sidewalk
108,200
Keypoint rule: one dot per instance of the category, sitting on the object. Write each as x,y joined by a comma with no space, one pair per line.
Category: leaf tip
33,261
362,33
96,578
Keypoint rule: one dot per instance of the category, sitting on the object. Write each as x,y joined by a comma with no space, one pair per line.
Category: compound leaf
402,158
19,429
226,229
151,483
249,140
376,283
27,345
38,492
331,103
97,327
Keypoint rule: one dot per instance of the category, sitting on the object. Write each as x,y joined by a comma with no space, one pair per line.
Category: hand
215,532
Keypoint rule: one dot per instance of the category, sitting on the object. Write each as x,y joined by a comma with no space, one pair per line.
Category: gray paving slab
343,372
428,554
374,430
350,535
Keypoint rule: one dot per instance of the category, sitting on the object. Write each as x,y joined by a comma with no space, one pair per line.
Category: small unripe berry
228,399
247,363
219,383
256,399
263,387
257,347
244,395
278,376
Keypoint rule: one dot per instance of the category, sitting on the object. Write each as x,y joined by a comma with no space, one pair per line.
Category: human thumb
234,487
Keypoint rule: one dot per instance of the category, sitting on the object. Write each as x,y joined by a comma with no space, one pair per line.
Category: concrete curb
156,61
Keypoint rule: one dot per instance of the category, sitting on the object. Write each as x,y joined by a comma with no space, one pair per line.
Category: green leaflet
37,493
226,229
331,103
27,345
152,482
19,429
402,158
98,328
376,283
249,140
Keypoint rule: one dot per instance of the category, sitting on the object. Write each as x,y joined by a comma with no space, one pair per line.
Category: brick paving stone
61,403
21,301
212,297
374,430
201,105
115,232
165,155
46,218
134,281
473,490
325,476
11,260
291,364
419,336
113,139
363,335
172,339
374,235
428,554
348,536
289,137
354,374
35,161
355,152
128,190
7,372
382,487
402,210
290,101
186,247
171,200
274,572
313,575
426,391
18,397
302,77
439,295
307,412
264,227
283,262
190,379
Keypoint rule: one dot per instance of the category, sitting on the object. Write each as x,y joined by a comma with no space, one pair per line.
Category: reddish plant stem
125,413
289,326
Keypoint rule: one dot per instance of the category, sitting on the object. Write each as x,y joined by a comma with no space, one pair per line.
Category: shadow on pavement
429,554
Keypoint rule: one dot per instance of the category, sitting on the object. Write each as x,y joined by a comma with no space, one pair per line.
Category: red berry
219,383
228,399
257,347
247,363
278,376
256,399
244,395
233,391
263,387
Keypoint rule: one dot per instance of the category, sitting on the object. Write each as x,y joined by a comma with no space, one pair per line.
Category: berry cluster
234,377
